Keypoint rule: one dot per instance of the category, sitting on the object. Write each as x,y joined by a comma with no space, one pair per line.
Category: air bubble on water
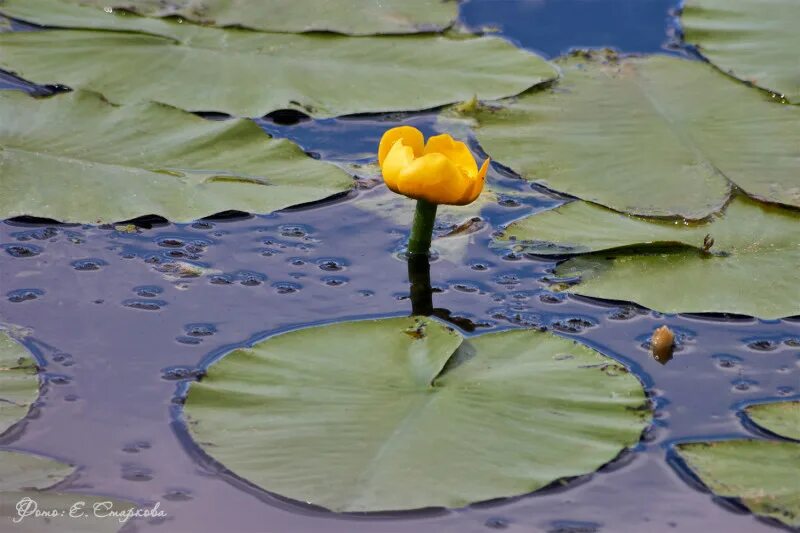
21,250
24,295
88,265
764,345
148,291
200,330
145,305
286,287
331,264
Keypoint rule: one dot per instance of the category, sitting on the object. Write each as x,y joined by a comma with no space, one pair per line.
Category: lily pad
761,474
320,74
781,418
354,17
652,136
750,269
26,478
134,160
754,40
19,384
405,413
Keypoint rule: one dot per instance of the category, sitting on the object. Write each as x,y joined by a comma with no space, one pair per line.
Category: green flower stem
422,228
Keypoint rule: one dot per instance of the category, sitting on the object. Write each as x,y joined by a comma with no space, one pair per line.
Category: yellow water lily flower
441,171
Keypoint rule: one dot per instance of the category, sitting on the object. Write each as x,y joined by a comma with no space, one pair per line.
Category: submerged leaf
19,384
123,162
755,40
653,136
662,264
250,74
762,474
404,413
355,17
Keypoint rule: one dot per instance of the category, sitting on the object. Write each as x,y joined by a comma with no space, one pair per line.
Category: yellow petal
476,186
435,178
399,157
409,135
455,151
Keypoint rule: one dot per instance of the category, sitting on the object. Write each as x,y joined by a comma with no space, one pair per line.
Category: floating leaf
129,161
355,17
247,73
754,40
404,413
762,474
19,384
27,476
750,269
654,136
781,418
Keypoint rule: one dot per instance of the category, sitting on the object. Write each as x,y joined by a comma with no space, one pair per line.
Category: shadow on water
123,320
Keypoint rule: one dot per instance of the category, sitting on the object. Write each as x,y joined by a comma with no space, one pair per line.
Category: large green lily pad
246,73
781,418
751,268
354,17
762,474
404,413
754,40
19,384
134,160
652,136
26,478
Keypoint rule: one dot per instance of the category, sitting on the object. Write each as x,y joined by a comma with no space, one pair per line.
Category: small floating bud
662,344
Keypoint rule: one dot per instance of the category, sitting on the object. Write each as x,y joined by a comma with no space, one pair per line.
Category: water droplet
286,287
743,385
148,291
550,298
726,362
170,243
764,345
331,264
294,231
21,250
178,495
572,325
200,330
145,305
87,265
465,287
496,522
176,373
136,473
24,295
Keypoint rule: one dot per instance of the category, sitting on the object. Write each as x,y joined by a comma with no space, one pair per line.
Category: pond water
120,329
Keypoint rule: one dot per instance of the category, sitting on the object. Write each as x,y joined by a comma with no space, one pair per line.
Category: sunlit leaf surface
250,74
404,413
653,136
754,40
75,158
750,269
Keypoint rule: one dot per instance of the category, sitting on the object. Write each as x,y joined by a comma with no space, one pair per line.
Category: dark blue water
120,326
554,27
